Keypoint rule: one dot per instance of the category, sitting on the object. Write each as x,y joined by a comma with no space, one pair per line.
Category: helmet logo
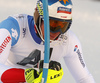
64,10
40,9
64,1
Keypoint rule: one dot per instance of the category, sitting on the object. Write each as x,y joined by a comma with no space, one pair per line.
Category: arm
7,39
75,62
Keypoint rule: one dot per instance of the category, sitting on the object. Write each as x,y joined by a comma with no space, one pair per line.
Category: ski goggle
58,26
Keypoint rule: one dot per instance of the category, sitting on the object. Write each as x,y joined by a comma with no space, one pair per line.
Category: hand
55,72
31,74
52,65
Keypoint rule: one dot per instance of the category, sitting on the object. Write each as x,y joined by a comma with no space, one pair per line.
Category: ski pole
47,41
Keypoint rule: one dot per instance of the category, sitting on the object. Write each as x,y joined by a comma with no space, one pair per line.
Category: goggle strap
38,24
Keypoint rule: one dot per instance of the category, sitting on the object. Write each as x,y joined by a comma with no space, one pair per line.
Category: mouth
54,35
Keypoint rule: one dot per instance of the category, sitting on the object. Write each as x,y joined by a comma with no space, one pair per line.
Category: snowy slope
86,25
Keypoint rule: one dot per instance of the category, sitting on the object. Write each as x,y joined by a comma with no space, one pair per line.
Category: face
52,35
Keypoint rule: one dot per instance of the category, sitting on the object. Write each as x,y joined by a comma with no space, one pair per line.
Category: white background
86,25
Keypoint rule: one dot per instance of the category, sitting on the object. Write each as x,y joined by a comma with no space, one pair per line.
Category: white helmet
60,10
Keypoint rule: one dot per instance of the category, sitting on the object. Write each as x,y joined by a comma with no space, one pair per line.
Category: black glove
52,65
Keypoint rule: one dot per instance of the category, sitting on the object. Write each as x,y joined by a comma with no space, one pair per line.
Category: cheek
54,35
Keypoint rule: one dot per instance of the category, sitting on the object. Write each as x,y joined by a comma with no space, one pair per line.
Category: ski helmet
60,10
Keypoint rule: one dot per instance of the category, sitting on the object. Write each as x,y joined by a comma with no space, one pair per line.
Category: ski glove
55,73
31,74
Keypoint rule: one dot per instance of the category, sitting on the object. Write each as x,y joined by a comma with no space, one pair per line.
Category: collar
32,29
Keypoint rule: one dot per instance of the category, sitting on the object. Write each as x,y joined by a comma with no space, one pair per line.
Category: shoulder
69,36
72,37
73,41
23,20
22,17
11,25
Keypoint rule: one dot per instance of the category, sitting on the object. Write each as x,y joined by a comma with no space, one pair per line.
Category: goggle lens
58,26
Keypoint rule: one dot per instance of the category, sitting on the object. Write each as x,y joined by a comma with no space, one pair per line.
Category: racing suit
18,38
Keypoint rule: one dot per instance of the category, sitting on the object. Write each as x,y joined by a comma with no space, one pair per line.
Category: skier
22,46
